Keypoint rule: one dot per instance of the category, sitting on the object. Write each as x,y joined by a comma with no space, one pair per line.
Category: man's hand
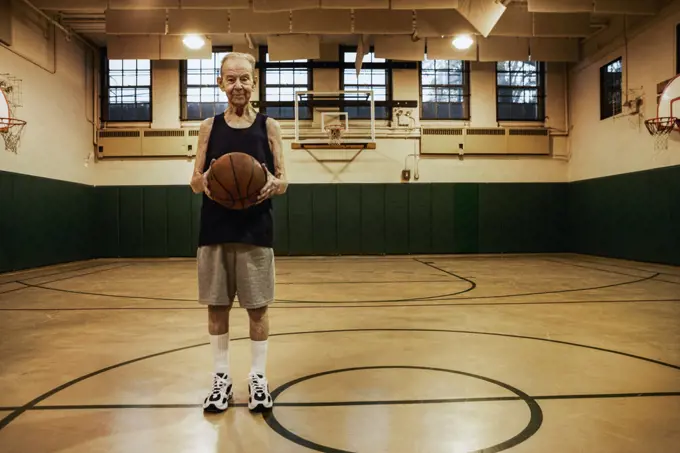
272,186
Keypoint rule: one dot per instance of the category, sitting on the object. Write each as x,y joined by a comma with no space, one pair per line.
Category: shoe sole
260,407
212,409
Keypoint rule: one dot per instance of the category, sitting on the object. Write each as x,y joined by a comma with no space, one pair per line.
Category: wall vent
119,134
525,132
442,131
161,133
485,132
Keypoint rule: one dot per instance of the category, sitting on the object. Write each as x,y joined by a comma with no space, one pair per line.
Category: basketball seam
233,171
252,173
212,176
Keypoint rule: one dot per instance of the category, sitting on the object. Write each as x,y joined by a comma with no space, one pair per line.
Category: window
610,89
444,86
280,81
375,75
520,91
200,96
128,90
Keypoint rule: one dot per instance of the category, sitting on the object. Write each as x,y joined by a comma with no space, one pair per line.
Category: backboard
339,119
669,100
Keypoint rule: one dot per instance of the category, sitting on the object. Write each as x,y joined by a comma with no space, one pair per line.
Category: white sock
259,356
220,348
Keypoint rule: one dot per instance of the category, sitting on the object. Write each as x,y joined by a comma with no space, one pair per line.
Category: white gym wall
57,92
622,144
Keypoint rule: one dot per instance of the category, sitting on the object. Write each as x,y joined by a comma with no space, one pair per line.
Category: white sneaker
259,398
221,394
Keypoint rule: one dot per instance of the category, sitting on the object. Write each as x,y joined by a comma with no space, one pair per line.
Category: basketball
235,180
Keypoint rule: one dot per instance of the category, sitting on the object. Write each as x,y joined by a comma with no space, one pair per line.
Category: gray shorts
229,270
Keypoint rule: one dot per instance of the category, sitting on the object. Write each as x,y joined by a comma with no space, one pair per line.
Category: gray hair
232,55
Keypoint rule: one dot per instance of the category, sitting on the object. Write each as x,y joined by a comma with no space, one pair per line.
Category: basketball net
11,129
661,129
334,133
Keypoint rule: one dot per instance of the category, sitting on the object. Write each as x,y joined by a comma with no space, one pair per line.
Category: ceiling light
193,42
462,42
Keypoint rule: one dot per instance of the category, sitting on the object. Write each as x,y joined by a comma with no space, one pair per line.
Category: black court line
362,282
70,277
498,296
626,267
51,274
472,284
33,403
413,299
30,285
328,306
13,289
67,407
609,271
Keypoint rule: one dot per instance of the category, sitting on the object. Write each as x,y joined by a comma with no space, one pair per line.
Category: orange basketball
235,180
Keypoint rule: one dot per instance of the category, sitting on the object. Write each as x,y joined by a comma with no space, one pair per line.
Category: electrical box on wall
404,117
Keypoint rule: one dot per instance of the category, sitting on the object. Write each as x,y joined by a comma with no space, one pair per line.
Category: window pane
143,95
287,94
350,77
193,94
115,65
272,77
144,65
428,79
129,79
272,94
287,78
379,77
428,94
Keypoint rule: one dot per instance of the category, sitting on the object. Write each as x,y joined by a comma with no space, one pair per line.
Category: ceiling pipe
68,32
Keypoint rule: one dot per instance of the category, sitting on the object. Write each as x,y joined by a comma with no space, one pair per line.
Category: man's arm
203,135
276,145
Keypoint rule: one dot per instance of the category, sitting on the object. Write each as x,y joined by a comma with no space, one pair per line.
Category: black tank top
253,225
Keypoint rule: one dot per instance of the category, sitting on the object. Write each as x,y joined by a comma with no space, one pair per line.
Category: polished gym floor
520,353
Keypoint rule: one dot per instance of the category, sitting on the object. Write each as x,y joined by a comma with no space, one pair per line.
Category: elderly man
235,253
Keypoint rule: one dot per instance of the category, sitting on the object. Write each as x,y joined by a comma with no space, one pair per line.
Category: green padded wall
632,216
42,221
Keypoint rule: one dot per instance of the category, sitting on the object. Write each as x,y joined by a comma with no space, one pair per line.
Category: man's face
237,81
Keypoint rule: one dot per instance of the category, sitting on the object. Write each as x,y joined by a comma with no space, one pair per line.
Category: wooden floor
532,353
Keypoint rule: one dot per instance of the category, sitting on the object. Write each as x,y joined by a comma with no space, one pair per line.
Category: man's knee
257,314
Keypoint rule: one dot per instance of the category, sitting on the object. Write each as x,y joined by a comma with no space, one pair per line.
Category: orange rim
6,123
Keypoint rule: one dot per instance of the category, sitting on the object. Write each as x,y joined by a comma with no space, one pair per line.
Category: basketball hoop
10,129
10,100
334,132
661,129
